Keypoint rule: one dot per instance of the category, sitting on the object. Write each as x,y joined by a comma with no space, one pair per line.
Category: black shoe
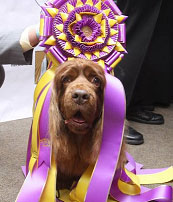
133,137
143,116
147,107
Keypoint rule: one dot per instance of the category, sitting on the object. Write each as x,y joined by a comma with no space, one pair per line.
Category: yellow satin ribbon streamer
41,30
111,200
116,62
79,193
129,189
132,188
35,129
157,178
45,79
65,196
49,192
52,58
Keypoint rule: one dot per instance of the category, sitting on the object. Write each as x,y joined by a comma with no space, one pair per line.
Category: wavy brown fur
76,145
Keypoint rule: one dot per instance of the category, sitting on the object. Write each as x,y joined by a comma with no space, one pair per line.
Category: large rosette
89,29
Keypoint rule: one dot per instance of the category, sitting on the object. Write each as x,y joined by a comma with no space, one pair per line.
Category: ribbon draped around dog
101,182
95,30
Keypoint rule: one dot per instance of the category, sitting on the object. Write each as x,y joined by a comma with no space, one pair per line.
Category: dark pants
154,84
141,22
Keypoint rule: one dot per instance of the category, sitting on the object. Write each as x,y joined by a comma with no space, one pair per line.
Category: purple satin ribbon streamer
58,3
48,21
44,117
42,43
33,185
44,155
113,6
57,54
28,156
136,168
24,170
100,184
112,58
122,33
114,112
43,130
160,194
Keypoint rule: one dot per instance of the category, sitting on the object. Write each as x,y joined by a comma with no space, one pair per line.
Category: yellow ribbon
35,129
132,188
79,193
45,79
157,178
41,30
49,192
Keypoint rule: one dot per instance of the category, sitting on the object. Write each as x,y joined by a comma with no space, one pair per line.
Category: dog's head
78,93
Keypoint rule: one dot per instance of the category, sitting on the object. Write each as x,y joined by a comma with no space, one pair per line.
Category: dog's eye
96,81
65,79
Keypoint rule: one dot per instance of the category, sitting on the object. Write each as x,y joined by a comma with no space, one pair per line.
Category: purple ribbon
58,3
114,113
48,21
101,180
160,194
44,117
113,6
28,156
136,168
122,33
33,186
44,127
57,54
113,58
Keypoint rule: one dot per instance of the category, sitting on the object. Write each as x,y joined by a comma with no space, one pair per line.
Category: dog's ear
54,114
56,125
55,118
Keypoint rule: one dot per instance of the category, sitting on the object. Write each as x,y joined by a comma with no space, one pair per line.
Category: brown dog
75,122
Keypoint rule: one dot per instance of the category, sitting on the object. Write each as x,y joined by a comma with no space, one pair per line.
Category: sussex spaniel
75,122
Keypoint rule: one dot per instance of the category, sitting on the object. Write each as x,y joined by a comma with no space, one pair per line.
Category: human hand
29,38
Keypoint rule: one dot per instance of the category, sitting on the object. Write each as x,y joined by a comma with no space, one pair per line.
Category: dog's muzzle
80,96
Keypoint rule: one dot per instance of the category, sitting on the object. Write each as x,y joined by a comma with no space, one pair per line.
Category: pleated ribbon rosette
89,29
95,30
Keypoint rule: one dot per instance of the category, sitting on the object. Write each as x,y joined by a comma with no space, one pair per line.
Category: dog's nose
80,96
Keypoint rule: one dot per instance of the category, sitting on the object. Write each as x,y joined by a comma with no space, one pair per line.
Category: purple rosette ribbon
89,29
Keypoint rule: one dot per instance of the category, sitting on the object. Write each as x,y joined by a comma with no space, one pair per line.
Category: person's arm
16,47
